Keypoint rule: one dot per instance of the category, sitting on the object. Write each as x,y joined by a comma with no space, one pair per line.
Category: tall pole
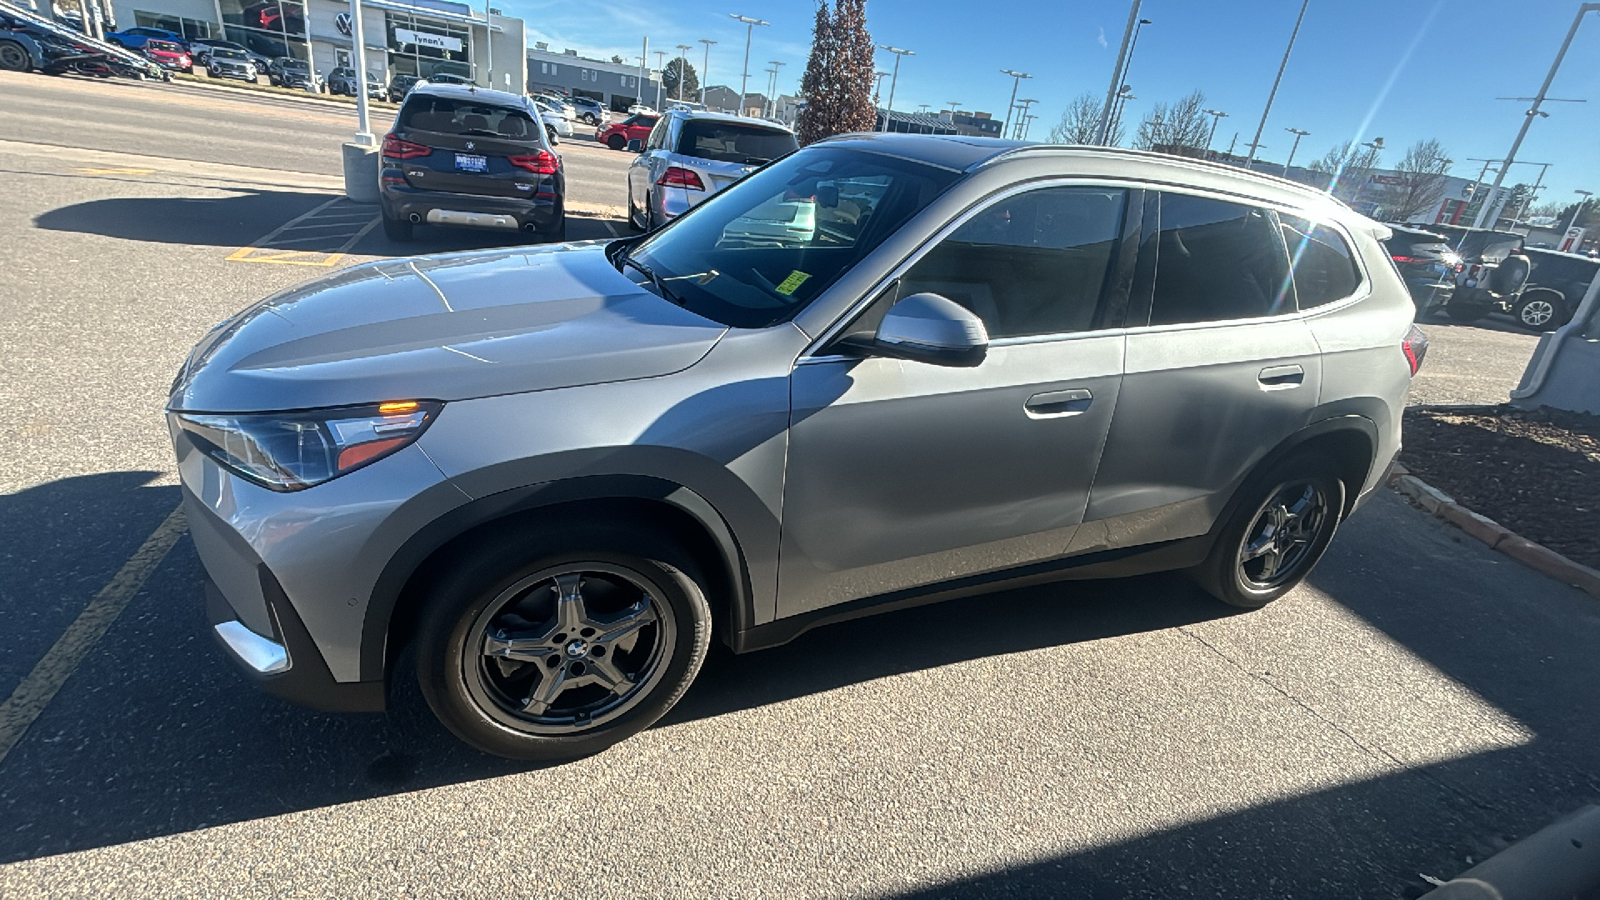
1298,134
683,67
660,76
1255,145
1533,111
1116,73
1016,79
644,60
772,95
358,35
488,47
749,32
894,79
1528,200
705,70
1123,97
1026,106
1216,116
1572,222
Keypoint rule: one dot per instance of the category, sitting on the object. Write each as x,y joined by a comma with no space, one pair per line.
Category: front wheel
559,653
616,142
1539,311
1283,525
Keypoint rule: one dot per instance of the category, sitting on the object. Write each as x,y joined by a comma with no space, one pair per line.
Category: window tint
733,142
447,115
1032,264
1217,260
1324,270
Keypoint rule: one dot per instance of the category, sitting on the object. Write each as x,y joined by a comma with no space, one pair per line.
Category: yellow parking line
40,687
114,171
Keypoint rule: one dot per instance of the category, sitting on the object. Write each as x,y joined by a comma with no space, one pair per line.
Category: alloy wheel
568,649
1535,313
1280,540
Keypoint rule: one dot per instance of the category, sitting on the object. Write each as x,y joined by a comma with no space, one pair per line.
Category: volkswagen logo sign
471,146
343,22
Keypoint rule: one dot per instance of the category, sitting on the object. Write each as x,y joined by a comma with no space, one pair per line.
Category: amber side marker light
398,406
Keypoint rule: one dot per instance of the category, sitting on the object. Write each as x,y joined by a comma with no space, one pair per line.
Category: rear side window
448,115
1217,260
733,142
1324,267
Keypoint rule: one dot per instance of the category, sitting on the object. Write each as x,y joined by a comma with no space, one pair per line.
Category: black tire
1541,311
555,234
513,589
616,142
1468,306
550,132
13,58
633,215
396,229
1236,571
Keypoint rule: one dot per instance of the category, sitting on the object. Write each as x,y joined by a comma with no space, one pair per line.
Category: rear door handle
1055,404
1281,378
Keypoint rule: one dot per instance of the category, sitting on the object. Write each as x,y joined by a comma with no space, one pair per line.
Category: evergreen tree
670,80
838,80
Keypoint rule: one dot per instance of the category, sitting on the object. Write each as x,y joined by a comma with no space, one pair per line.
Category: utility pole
705,70
1216,116
894,79
749,33
1256,144
1533,111
1103,130
1298,134
1016,79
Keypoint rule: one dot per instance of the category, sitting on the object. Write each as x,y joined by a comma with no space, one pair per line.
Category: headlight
295,450
1451,258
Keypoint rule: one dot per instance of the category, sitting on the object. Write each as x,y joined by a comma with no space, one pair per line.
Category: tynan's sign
424,39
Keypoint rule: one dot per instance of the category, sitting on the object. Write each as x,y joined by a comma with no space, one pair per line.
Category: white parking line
51,672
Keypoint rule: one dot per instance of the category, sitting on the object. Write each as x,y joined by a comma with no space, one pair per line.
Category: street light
1127,64
1121,103
1104,120
660,75
1016,79
705,70
894,79
749,32
1298,134
683,64
1024,104
1572,222
772,95
1216,116
1256,144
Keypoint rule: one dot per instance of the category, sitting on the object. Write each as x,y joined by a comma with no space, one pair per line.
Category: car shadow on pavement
238,219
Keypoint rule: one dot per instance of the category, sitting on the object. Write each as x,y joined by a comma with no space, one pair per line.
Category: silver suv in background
691,155
555,474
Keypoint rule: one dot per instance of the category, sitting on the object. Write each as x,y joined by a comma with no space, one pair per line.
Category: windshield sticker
792,283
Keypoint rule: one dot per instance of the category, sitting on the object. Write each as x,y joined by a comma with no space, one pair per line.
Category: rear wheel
616,142
559,652
396,229
1468,306
13,58
1540,311
1284,524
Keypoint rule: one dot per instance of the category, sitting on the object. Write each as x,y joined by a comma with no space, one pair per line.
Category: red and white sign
1572,240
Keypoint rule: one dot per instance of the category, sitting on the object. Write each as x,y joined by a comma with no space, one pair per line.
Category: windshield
734,142
221,53
760,251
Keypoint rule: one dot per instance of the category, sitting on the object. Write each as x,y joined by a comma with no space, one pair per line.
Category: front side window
1324,267
758,252
1035,263
1215,261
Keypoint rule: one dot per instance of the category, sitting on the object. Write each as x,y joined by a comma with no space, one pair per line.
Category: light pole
358,37
1123,96
766,100
1104,122
1298,134
683,65
1572,222
1533,111
660,75
644,60
1256,144
1025,105
705,69
1016,79
894,78
1126,65
1216,115
749,32
1528,200
772,95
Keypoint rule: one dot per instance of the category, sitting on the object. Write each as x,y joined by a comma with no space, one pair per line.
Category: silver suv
691,155
883,370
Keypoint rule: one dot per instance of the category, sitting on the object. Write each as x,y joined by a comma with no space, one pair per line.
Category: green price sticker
793,282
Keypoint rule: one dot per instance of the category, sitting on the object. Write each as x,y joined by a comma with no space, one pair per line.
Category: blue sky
1361,69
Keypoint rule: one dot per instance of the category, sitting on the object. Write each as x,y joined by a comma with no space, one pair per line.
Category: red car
168,55
618,134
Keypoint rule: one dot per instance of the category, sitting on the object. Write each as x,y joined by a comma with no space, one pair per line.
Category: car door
1223,369
903,474
642,171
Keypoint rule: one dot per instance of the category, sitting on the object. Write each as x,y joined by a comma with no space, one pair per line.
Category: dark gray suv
883,370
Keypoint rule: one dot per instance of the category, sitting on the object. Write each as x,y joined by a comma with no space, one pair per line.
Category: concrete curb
1560,860
1494,535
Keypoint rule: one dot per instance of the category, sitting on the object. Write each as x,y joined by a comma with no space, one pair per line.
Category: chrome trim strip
264,656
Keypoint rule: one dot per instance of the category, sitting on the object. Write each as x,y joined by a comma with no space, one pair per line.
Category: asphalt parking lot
1418,704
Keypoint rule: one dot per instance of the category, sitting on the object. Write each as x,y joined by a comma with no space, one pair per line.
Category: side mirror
636,146
928,328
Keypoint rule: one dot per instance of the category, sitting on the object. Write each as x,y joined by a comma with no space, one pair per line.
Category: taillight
684,178
542,163
395,148
1402,260
1415,347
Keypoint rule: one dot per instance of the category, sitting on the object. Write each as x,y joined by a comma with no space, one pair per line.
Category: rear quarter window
1324,267
733,142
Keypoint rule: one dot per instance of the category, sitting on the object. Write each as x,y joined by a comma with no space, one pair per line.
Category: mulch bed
1537,472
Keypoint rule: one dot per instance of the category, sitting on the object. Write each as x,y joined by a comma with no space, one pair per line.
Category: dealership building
403,37
616,86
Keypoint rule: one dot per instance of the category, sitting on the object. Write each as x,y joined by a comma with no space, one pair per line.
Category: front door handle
1055,404
1281,378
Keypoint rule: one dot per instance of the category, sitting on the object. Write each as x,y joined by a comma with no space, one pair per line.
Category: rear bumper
406,203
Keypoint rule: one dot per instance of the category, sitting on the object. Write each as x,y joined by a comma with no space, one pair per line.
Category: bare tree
1345,169
838,80
1179,128
1081,122
1421,176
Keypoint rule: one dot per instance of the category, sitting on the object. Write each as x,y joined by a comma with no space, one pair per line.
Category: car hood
447,327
